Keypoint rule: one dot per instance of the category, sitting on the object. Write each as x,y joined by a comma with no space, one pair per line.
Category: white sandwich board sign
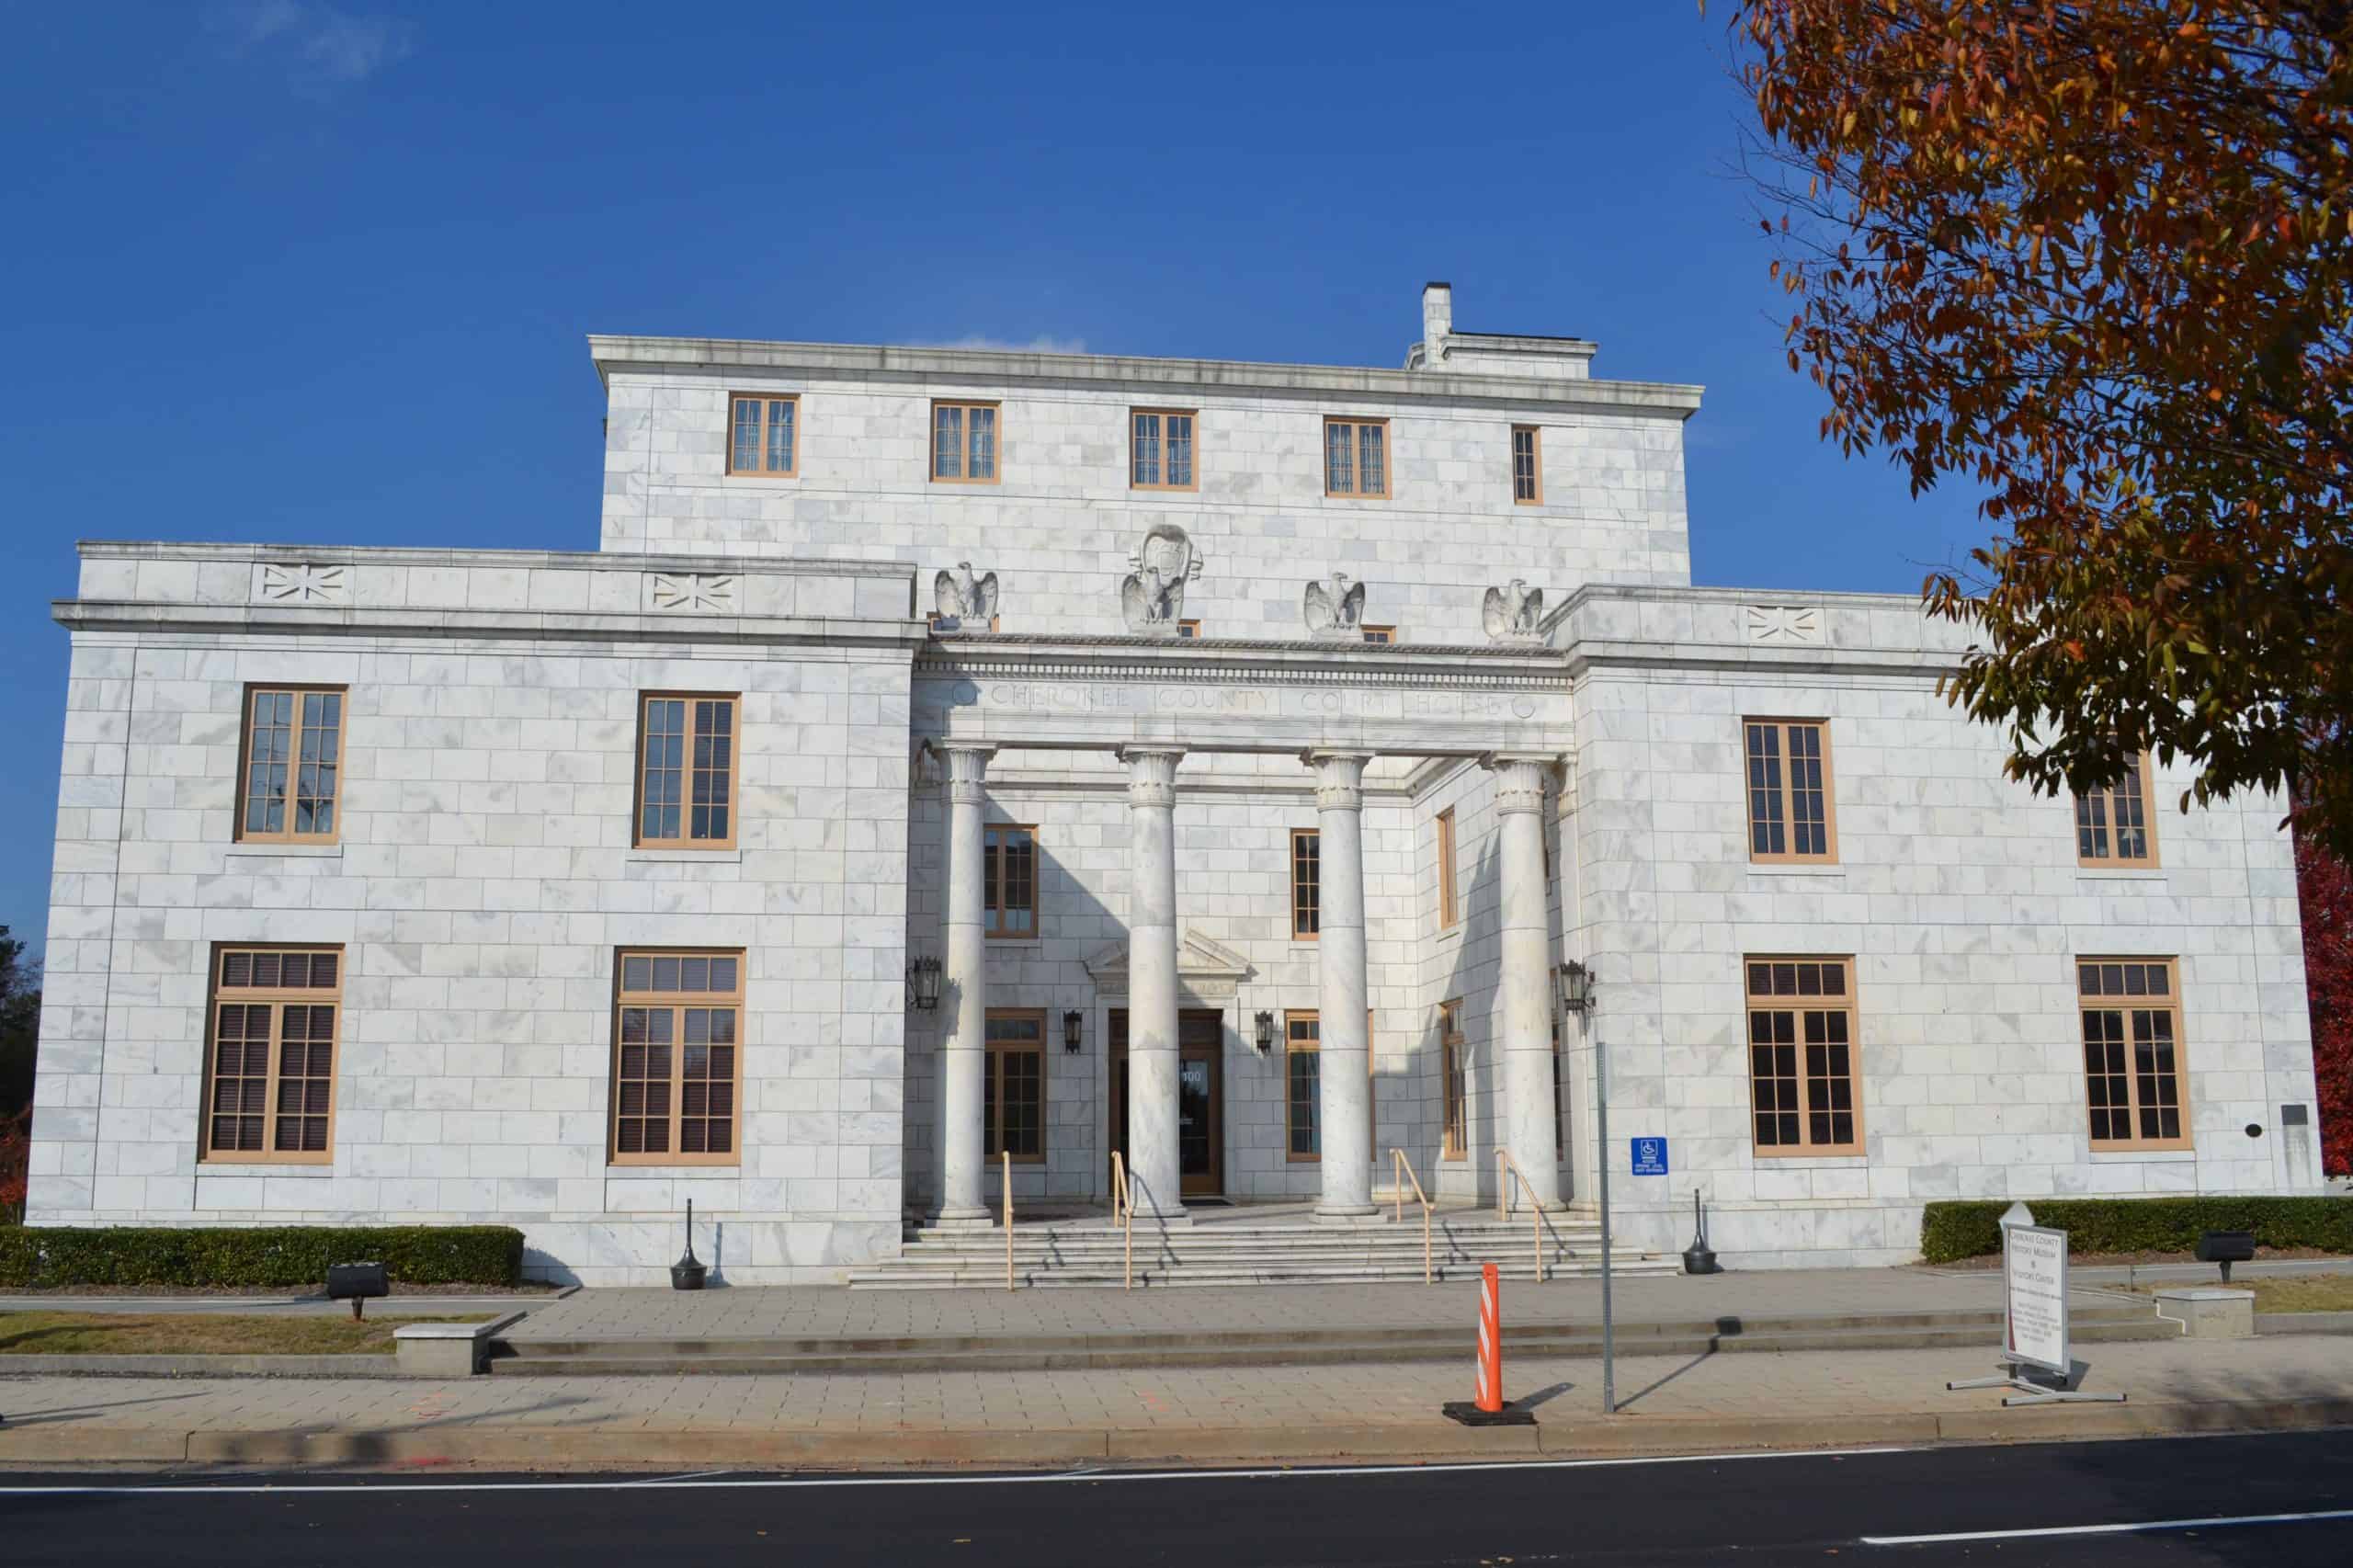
2034,1297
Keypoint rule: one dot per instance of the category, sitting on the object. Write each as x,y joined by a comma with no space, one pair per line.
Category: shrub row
276,1255
1949,1232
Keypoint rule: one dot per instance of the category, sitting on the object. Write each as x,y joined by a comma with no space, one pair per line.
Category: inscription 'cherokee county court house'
1235,754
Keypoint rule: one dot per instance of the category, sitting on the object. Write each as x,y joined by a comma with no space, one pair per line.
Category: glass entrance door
1201,1098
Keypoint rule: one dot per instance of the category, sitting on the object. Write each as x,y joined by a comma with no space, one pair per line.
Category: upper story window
1383,635
764,435
2133,1054
1160,448
685,797
1009,880
2113,826
1788,791
1801,1057
676,1066
269,1086
963,443
1527,466
1356,456
1449,910
1189,630
1306,879
293,757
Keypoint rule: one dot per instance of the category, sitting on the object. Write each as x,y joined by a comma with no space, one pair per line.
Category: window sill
686,857
674,1172
991,944
1809,1161
1771,870
2120,873
264,1167
2141,1156
243,851
759,478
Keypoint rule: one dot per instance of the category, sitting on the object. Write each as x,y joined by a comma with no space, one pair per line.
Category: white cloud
319,47
1043,343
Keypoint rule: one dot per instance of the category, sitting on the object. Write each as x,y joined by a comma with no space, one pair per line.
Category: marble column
1344,1084
1151,1152
964,997
1526,1036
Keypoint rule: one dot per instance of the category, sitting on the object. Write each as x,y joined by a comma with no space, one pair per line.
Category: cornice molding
1157,661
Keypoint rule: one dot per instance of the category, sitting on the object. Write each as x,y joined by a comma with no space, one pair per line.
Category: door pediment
1207,971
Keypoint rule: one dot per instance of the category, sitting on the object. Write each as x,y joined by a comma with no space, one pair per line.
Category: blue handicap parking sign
1650,1156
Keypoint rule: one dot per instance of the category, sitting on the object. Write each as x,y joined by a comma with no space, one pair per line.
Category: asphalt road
1766,1510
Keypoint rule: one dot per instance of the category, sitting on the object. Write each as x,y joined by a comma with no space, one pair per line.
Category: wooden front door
1201,1097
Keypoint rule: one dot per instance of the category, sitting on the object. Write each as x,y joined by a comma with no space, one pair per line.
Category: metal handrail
1504,1161
1398,1162
1123,1214
1006,1155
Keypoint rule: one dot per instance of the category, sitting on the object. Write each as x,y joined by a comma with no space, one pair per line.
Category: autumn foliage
2095,259
2324,884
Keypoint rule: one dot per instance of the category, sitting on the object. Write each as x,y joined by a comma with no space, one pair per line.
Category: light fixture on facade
923,985
1576,986
1070,1021
1265,1022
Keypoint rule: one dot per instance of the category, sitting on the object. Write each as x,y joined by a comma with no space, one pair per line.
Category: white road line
2143,1527
1095,1477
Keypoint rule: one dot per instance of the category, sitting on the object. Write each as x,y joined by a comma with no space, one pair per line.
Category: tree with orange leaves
2097,259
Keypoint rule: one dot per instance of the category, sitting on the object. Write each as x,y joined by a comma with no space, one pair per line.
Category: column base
1370,1214
961,1220
1165,1218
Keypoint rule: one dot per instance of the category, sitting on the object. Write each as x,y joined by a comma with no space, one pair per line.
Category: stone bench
445,1350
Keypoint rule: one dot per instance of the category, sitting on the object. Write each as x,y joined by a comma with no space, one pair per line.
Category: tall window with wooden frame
1160,448
1527,466
677,1058
764,435
1307,884
1356,458
1304,1083
1454,1083
292,765
1790,817
963,443
1009,880
1449,911
1560,1129
2133,1088
685,773
1802,1056
1012,1086
2114,827
270,1081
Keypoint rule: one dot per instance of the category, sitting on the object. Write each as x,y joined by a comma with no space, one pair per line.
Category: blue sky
290,271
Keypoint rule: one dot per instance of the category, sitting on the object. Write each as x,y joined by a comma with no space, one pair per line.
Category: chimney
1437,320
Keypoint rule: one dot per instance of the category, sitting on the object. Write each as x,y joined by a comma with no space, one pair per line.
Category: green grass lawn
202,1334
2276,1292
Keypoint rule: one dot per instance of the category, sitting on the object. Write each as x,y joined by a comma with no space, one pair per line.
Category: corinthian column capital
1151,774
1520,779
967,767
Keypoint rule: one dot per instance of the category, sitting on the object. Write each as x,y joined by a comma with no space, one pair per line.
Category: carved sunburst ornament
300,583
687,592
1784,623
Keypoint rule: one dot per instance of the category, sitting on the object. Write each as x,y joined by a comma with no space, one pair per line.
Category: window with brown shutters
269,1080
2133,1075
2114,826
1801,1057
677,1059
1307,884
1790,817
1013,1088
686,776
293,752
1009,880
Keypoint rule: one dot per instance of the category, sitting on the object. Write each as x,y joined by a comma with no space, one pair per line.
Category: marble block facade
957,761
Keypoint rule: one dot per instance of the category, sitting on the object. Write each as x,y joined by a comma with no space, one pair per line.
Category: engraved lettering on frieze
1316,702
692,592
303,583
1784,623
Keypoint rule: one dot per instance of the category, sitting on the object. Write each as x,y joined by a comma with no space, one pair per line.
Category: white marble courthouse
1236,753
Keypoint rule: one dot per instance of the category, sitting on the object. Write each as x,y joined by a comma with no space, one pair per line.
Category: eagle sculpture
1512,611
962,596
1152,597
1334,608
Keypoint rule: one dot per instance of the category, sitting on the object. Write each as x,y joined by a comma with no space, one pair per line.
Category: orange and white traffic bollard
1490,1341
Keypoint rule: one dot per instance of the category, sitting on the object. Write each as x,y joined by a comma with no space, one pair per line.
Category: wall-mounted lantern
1071,1022
1576,986
1265,1022
923,985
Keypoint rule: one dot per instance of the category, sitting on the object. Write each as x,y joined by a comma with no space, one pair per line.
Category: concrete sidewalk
1697,1403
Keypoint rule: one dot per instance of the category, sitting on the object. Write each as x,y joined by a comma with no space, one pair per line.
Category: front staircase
1240,1247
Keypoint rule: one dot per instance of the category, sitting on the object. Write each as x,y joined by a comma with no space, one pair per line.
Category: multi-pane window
1560,1133
1160,448
269,1086
762,435
964,442
1527,466
1789,790
685,795
1302,1086
1449,910
1009,880
2112,825
1189,630
677,1059
1383,635
1356,456
293,757
2133,1054
1801,1055
1013,1087
1307,884
1453,1080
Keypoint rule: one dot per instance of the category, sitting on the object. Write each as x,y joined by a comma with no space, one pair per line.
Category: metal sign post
2035,1359
1601,1116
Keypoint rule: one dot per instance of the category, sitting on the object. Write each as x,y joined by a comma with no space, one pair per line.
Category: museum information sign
2034,1293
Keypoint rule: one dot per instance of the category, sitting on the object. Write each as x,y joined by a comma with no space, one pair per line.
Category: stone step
1211,1276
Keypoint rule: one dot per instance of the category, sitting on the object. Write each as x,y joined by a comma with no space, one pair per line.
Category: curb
357,1364
528,1448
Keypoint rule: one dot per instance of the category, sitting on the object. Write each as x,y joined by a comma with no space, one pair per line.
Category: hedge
276,1255
1949,1232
